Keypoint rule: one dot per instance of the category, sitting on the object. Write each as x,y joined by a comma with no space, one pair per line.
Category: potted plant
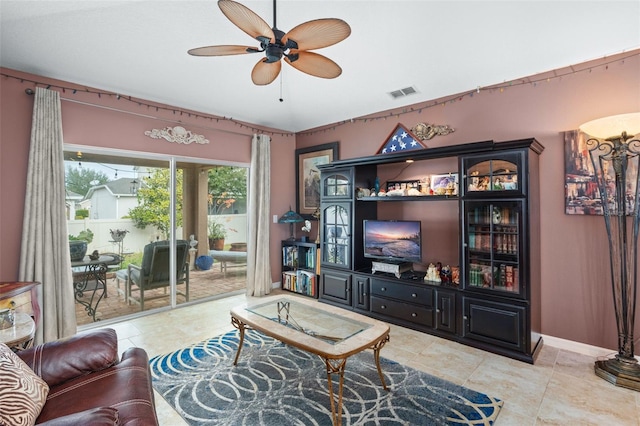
217,234
78,244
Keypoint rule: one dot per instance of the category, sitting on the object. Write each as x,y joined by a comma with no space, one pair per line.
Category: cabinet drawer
404,311
404,292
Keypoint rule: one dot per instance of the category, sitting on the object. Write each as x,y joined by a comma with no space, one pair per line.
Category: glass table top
318,323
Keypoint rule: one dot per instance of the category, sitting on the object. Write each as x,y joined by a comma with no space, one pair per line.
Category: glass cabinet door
493,241
491,175
336,238
337,185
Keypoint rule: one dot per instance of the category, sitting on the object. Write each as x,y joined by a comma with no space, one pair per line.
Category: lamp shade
606,127
290,217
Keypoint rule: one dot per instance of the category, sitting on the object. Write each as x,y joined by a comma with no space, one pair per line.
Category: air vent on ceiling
403,92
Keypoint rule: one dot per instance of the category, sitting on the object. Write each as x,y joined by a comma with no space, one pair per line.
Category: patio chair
154,272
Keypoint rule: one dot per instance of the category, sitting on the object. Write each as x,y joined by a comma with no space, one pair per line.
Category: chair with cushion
154,272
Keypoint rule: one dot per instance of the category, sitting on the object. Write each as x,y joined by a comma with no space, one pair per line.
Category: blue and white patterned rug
276,384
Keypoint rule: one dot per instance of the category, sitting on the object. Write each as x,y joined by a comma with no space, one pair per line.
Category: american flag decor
400,140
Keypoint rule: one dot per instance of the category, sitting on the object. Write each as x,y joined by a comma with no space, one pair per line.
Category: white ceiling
139,48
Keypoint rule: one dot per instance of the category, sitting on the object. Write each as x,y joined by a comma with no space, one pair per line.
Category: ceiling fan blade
245,19
318,33
314,64
222,50
264,73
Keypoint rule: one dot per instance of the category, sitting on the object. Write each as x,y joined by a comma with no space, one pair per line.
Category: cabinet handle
438,310
364,294
414,315
414,295
383,306
383,289
465,317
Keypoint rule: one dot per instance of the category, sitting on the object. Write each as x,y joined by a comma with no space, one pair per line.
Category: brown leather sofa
89,385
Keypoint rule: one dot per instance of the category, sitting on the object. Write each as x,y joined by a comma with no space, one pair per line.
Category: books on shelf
297,257
299,281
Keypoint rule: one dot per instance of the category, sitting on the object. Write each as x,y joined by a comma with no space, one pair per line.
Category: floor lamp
615,160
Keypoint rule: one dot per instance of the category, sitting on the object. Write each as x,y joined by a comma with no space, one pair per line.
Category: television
393,240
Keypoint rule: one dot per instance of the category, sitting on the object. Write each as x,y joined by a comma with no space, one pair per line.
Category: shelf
410,198
300,267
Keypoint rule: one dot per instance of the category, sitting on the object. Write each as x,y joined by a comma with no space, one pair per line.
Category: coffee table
332,333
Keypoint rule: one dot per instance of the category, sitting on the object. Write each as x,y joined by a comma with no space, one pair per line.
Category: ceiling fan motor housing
274,52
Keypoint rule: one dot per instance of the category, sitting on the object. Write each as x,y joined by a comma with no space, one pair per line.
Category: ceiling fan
294,46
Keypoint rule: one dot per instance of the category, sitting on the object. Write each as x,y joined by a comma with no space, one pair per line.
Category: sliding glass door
123,211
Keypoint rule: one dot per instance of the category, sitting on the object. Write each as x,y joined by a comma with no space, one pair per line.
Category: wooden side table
21,335
23,295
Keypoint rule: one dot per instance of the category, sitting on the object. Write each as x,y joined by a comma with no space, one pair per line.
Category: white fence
136,239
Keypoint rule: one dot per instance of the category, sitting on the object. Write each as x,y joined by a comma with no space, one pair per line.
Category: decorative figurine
496,216
95,255
192,241
446,275
432,273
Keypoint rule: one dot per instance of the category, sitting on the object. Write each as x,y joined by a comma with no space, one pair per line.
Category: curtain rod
31,92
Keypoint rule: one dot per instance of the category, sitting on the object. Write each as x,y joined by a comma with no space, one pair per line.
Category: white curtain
258,266
44,255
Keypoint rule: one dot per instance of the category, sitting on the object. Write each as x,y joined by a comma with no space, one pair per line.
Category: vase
216,243
77,249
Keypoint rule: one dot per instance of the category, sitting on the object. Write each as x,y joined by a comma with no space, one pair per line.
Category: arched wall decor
177,134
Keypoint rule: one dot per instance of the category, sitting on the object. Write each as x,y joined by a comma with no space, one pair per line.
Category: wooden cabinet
492,219
446,311
340,219
335,286
496,324
346,289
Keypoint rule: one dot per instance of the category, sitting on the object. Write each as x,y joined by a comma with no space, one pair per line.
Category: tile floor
560,389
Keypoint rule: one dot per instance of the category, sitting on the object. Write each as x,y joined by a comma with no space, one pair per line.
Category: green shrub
134,259
82,214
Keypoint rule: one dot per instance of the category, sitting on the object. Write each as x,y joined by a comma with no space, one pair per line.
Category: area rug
276,384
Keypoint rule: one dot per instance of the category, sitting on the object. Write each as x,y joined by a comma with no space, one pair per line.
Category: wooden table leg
241,327
336,366
376,355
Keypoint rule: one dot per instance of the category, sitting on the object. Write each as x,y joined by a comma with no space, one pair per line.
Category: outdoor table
91,276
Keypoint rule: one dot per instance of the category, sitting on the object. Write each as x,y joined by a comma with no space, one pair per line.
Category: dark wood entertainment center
486,228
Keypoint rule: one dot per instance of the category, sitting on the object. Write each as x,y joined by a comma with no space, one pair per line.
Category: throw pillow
22,392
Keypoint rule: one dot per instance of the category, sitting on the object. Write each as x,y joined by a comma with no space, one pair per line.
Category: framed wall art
582,195
308,176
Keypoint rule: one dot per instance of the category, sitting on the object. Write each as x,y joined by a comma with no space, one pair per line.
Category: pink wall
120,124
576,296
576,299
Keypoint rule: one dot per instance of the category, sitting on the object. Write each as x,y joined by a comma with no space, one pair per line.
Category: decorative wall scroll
425,131
176,134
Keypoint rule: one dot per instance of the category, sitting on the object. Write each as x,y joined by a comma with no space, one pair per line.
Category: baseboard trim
581,348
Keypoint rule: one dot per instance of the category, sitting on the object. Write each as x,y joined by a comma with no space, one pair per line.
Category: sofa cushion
62,360
101,416
22,392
